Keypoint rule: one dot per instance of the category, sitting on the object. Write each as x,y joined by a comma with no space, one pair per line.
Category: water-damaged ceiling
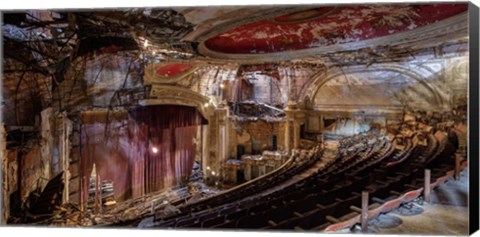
216,31
328,25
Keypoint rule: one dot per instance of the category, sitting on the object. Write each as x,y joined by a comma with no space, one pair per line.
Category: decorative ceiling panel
171,70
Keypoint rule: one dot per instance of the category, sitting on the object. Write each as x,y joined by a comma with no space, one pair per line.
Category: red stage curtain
126,156
171,131
110,154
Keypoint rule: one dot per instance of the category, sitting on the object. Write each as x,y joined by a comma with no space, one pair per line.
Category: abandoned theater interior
327,118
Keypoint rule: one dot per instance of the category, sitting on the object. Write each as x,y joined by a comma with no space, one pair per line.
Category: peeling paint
345,25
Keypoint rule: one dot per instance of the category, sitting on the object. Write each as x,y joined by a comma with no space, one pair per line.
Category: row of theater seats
389,178
329,189
348,195
406,172
326,196
228,215
301,159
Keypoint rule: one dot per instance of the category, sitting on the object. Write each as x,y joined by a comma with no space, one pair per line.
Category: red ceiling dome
328,25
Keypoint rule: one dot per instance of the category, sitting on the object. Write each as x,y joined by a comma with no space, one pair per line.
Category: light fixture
145,43
205,105
213,172
154,150
208,167
222,86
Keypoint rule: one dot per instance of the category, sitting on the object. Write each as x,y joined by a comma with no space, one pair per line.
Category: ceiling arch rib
352,80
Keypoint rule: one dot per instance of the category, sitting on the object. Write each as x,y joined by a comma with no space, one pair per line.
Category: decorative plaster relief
169,73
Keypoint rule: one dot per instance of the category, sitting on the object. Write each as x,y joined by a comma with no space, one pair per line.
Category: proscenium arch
174,95
310,90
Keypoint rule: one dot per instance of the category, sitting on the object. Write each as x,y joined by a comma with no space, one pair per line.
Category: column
64,147
221,117
294,118
5,205
211,147
296,134
261,167
289,131
247,170
205,147
48,129
287,136
232,139
216,146
228,138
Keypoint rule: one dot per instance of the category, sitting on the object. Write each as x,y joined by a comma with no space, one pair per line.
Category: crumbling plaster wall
449,76
33,160
266,89
93,83
89,83
47,141
28,166
5,173
35,172
207,79
255,134
12,171
74,160
24,94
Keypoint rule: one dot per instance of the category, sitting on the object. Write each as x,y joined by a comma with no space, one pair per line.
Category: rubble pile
143,206
197,173
199,190
253,111
164,202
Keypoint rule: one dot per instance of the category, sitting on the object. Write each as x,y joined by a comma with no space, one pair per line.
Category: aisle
447,214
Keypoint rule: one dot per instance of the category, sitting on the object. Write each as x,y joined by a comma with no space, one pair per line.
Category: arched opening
376,87
359,98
